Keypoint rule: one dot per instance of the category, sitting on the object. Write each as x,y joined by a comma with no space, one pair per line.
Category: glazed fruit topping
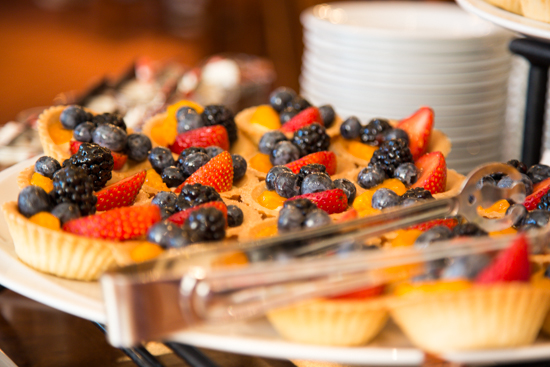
272,175
110,136
138,147
347,187
167,235
281,97
72,116
301,213
188,119
373,133
419,128
202,137
205,224
350,128
47,166
284,152
311,139
160,158
331,201
539,190
306,117
433,172
96,161
180,217
33,200
72,184
196,194
119,194
391,155
221,116
217,173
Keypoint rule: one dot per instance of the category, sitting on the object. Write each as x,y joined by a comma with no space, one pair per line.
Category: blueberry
299,103
507,182
72,116
193,162
83,132
317,218
351,128
385,198
167,235
396,134
316,182
47,166
290,219
306,206
434,234
284,152
486,180
371,177
160,158
66,212
32,200
138,146
187,152
327,114
466,266
235,216
165,200
538,173
537,217
273,174
521,210
239,167
280,97
172,176
406,173
269,140
468,230
528,227
287,114
213,151
188,119
286,185
111,137
311,168
347,187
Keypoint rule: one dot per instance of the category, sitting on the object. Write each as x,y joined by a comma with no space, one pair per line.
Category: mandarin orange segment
173,108
59,134
266,116
232,258
47,220
42,181
393,184
360,150
271,200
432,287
165,133
261,162
504,232
154,180
497,210
145,251
405,237
267,232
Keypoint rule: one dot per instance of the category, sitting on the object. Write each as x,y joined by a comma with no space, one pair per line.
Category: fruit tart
62,129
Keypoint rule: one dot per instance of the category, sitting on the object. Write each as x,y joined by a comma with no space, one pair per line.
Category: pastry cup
255,132
514,6
331,322
536,9
251,218
482,317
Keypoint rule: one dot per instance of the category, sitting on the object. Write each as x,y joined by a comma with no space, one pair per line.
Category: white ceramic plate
506,19
256,337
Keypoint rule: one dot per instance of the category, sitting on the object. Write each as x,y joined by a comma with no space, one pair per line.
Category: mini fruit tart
62,129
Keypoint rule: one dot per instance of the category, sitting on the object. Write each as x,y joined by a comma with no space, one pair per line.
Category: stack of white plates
386,59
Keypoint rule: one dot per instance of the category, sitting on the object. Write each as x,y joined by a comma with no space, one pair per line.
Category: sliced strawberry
308,116
433,172
361,294
74,146
349,215
119,194
202,137
119,160
539,190
331,201
180,217
511,265
326,158
116,224
448,222
218,173
419,128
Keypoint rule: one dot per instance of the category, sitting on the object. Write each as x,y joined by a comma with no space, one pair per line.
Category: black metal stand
538,54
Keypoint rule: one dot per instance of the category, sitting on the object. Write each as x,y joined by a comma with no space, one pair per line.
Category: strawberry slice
447,222
419,128
116,224
180,217
202,137
118,158
331,201
433,172
361,294
326,158
539,190
119,194
349,215
511,265
218,173
308,116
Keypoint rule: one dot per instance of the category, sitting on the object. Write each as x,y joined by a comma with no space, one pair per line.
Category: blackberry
96,161
109,118
220,115
544,203
468,230
205,224
390,155
520,166
310,139
373,133
417,193
196,194
74,184
396,134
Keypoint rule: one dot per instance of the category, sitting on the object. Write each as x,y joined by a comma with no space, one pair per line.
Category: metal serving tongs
155,299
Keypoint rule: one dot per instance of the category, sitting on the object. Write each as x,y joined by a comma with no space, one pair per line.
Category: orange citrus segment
267,232
393,184
497,210
47,220
360,150
154,180
145,251
233,258
165,133
261,162
59,134
266,116
432,287
271,200
42,181
173,108
504,232
405,237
